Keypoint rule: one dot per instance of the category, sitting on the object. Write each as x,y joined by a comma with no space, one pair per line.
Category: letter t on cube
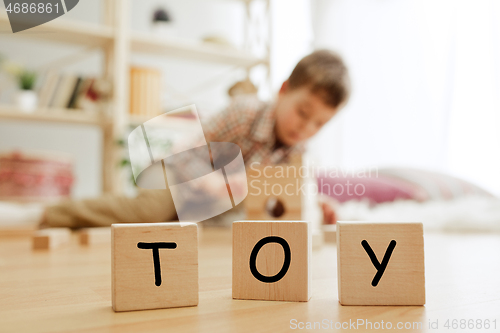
272,260
154,265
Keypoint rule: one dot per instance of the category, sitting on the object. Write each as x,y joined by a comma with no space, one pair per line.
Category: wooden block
317,239
154,265
274,192
380,263
329,233
93,236
272,260
51,238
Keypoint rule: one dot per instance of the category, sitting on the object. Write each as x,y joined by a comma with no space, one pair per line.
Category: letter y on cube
380,263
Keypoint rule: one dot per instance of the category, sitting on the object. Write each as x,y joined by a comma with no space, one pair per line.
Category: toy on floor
51,238
154,265
380,263
272,260
284,192
274,192
95,236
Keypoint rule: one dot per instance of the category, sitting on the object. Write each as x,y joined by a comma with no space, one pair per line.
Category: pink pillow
395,184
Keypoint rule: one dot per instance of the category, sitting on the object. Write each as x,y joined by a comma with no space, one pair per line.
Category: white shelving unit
65,31
117,41
193,50
54,115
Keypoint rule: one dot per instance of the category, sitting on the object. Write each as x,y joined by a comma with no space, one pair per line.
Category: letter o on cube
271,260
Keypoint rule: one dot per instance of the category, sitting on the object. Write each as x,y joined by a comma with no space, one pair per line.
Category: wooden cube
272,260
274,192
317,239
154,265
51,238
380,263
94,236
329,233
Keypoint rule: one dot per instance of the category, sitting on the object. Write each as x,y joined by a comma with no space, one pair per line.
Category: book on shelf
63,92
72,100
47,87
145,91
67,91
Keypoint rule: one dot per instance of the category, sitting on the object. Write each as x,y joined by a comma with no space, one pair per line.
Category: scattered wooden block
272,260
329,233
154,265
51,238
380,263
93,236
317,239
274,192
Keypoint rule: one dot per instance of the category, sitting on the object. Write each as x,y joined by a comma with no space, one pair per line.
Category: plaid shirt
249,123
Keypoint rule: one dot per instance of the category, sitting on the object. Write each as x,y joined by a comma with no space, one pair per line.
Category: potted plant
26,98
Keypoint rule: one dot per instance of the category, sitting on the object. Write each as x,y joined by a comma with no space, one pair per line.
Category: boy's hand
328,206
43,223
238,183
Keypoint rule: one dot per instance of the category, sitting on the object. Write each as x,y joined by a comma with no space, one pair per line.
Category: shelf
192,50
63,31
52,115
173,121
82,33
117,43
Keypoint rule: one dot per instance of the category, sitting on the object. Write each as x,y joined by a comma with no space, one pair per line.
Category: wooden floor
69,290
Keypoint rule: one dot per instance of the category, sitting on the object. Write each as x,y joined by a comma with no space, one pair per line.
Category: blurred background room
419,133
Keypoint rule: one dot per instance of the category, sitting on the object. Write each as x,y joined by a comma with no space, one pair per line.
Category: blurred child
316,90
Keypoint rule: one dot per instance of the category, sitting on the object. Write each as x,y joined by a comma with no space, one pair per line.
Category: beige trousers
148,206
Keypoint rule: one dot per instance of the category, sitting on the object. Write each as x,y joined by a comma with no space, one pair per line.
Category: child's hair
326,75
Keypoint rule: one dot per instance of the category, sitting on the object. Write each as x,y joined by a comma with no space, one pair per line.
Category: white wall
426,78
389,119
292,37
